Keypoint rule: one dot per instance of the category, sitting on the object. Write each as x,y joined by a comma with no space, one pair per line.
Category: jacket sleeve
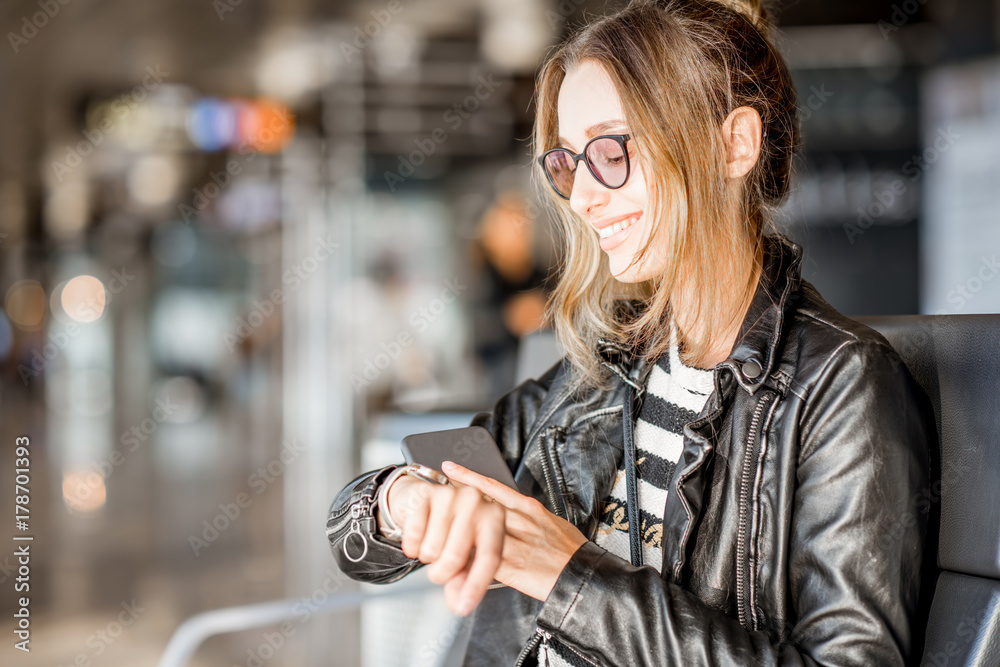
853,565
358,546
360,550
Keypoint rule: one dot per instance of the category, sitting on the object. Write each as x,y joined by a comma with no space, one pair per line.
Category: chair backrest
536,352
956,359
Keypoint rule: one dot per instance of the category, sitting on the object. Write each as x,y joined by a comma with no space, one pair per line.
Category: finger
498,491
489,547
457,549
438,525
453,590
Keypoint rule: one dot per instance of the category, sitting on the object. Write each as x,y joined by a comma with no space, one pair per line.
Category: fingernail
448,465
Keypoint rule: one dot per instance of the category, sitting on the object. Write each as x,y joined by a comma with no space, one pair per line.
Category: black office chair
956,359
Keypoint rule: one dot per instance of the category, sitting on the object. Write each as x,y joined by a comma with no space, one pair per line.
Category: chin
623,273
639,272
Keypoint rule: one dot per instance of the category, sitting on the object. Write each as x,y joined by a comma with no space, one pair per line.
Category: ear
742,134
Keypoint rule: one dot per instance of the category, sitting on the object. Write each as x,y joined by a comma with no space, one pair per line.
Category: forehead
587,97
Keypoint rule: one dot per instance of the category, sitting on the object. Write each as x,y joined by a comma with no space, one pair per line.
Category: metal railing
195,630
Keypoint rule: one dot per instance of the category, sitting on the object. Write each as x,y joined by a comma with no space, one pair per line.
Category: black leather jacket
793,530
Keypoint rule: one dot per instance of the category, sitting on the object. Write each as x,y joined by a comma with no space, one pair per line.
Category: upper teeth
617,227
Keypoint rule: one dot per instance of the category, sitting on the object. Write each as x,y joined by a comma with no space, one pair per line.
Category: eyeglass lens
605,158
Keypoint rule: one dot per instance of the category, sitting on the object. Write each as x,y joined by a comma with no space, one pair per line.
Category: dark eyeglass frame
621,139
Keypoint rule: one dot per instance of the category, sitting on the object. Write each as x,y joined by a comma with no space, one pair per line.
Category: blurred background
247,245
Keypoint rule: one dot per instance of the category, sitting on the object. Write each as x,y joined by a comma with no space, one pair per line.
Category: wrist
383,515
400,485
399,497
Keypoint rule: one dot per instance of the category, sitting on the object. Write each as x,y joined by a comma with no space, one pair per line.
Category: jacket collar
753,356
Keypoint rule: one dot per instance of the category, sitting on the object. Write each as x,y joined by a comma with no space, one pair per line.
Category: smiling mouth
606,232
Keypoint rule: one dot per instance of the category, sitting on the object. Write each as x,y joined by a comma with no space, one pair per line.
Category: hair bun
753,10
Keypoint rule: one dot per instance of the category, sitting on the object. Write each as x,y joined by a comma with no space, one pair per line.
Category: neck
694,331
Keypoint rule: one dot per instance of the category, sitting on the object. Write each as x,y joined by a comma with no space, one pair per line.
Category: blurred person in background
715,472
511,296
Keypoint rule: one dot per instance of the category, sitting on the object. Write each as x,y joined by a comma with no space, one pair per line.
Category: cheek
636,189
653,257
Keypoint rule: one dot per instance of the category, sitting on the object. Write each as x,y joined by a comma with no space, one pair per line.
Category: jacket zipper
540,640
742,559
363,510
529,647
350,512
549,474
548,471
338,519
544,649
341,520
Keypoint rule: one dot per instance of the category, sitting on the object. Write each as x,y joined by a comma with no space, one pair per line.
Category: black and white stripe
675,394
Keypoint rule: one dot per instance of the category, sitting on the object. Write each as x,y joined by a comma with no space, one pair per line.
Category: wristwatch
390,529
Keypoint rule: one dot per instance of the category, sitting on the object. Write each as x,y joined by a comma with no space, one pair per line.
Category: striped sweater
675,394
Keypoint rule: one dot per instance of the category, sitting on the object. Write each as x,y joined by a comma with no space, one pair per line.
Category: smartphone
472,447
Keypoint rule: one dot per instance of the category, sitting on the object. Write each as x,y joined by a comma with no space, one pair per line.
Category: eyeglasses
606,157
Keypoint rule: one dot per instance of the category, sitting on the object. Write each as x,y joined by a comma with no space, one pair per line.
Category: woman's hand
468,539
537,545
454,529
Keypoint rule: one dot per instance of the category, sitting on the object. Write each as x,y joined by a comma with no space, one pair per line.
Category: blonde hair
680,67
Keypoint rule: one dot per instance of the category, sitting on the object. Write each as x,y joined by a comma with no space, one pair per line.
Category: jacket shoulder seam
806,391
594,415
828,323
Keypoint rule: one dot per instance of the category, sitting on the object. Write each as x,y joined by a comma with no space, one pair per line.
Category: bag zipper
742,559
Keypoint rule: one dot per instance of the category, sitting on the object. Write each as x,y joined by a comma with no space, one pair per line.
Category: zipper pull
363,509
544,649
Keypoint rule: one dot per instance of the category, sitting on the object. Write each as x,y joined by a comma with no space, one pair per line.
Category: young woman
723,470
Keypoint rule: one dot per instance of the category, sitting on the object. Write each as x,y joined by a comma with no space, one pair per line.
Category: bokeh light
83,298
84,491
263,125
153,180
266,125
25,304
212,124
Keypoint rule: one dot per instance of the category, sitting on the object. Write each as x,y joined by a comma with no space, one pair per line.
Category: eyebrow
598,129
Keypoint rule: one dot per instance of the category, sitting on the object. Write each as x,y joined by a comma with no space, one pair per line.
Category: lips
614,233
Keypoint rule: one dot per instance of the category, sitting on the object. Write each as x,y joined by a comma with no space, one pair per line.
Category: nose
588,194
